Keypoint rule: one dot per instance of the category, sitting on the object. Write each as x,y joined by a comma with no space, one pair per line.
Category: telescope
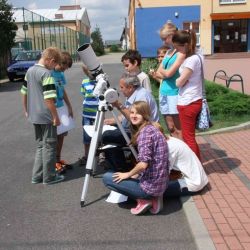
88,57
107,96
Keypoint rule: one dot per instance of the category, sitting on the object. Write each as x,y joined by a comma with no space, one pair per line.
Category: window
232,1
193,26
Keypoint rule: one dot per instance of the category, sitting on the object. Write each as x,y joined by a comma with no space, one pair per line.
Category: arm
66,99
167,73
50,103
183,79
24,97
139,167
125,111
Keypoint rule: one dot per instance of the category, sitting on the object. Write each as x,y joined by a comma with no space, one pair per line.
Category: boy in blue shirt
90,105
61,100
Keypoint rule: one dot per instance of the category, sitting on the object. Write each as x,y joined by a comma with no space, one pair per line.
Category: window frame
224,2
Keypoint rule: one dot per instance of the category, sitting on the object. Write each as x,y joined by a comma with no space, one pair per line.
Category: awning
230,16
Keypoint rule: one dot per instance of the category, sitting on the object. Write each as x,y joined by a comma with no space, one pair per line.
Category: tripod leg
91,161
124,134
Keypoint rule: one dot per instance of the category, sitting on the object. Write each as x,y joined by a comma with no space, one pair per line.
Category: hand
56,121
151,72
70,112
116,104
118,176
109,121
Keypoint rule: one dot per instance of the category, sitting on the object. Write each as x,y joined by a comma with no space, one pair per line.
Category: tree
7,32
97,42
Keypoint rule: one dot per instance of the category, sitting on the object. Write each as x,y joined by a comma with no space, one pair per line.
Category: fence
36,32
39,33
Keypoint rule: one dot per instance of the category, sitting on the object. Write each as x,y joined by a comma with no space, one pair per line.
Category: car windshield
28,56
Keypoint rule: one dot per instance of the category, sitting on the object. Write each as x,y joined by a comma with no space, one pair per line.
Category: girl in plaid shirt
148,180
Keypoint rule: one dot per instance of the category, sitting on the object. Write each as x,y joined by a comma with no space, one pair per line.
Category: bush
114,48
225,102
227,107
148,64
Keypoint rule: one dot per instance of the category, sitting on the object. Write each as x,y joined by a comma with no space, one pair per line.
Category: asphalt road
50,217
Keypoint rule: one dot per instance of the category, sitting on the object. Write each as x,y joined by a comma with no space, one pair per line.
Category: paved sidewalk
225,204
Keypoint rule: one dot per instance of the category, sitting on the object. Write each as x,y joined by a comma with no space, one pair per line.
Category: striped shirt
38,86
90,102
153,149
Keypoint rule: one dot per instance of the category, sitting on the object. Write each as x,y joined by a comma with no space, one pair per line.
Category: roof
59,15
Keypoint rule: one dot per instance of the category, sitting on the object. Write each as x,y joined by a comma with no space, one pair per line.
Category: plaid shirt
152,147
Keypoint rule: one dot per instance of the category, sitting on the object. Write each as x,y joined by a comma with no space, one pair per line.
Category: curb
201,236
242,126
4,81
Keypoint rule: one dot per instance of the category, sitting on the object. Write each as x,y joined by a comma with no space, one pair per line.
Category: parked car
21,63
15,52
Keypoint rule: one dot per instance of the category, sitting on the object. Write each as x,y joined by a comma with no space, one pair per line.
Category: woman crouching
148,180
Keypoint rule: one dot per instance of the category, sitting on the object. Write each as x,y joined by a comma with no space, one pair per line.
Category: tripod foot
82,203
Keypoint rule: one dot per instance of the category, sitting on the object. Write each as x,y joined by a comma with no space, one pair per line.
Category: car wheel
11,78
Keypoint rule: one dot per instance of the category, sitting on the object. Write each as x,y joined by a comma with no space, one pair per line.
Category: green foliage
227,107
7,27
224,102
8,32
114,48
97,42
148,64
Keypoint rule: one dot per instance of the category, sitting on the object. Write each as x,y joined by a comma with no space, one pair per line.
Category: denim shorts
168,104
87,121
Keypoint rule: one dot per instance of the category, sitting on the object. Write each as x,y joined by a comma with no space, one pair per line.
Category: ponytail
182,37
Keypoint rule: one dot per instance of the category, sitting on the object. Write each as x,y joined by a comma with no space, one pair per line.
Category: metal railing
38,33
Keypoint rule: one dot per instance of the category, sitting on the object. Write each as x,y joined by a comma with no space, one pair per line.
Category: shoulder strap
175,51
202,79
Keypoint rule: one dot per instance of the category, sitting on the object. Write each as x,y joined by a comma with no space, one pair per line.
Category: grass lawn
227,107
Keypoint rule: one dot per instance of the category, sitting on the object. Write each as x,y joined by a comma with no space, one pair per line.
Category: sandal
82,161
65,164
60,169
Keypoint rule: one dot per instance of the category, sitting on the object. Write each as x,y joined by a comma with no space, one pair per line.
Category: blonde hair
143,109
167,29
52,53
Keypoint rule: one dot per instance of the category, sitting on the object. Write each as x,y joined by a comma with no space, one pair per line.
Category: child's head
50,57
139,117
185,42
66,62
139,113
166,33
161,53
131,60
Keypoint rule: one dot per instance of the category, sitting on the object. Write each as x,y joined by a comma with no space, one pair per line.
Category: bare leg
173,125
60,139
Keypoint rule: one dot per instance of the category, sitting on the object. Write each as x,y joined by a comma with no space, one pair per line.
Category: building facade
66,28
221,26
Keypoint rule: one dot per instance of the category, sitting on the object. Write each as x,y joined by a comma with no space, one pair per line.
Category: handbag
203,121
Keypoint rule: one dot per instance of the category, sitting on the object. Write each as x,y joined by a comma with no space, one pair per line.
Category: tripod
95,141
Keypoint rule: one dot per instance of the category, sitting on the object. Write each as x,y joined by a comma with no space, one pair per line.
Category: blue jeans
86,139
174,190
129,187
